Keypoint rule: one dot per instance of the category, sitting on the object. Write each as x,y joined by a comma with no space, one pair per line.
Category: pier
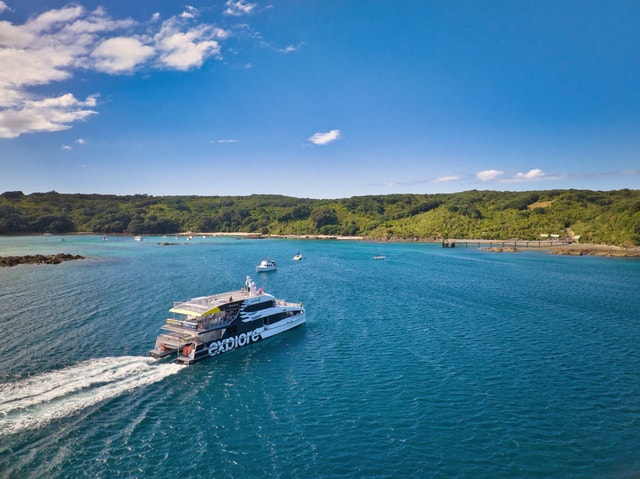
451,243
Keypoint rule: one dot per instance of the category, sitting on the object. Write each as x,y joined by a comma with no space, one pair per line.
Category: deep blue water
431,363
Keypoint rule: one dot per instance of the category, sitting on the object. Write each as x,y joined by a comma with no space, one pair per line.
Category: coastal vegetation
606,217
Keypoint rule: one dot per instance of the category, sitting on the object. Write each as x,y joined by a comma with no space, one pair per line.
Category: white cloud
81,141
324,138
534,174
120,55
190,12
66,147
445,179
230,140
489,175
42,50
48,20
183,50
531,175
289,49
50,114
238,8
53,46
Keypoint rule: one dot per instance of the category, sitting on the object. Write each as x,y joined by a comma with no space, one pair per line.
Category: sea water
430,363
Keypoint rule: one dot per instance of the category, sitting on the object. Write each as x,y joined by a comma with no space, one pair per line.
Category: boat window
274,318
259,306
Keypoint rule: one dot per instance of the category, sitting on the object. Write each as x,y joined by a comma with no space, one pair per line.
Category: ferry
208,326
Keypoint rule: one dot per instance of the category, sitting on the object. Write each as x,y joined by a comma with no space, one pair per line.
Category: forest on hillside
608,217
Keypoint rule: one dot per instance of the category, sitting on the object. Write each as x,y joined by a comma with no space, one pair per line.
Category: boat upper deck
208,304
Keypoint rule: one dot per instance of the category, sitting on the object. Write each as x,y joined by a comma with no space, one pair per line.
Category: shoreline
576,249
507,246
496,246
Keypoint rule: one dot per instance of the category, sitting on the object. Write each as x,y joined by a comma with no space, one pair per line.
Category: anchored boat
267,264
211,325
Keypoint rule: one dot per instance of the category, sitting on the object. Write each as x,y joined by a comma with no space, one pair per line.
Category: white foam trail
38,400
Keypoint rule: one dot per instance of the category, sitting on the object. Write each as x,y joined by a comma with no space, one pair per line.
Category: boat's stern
187,354
162,349
167,345
161,353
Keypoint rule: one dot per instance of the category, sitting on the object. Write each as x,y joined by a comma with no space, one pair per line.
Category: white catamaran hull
283,326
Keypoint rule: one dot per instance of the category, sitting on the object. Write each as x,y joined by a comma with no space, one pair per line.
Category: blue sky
318,98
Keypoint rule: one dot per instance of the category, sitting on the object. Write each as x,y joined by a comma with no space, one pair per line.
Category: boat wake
40,399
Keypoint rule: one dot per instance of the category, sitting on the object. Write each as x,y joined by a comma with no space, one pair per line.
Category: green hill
609,217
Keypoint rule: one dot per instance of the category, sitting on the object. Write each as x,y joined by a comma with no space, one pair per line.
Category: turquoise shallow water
431,363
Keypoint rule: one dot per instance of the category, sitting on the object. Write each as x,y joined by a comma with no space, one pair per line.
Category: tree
136,225
324,216
13,195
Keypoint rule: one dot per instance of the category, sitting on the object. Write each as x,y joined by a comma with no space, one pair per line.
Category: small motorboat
266,265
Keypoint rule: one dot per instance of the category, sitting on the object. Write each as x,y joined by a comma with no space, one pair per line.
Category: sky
318,98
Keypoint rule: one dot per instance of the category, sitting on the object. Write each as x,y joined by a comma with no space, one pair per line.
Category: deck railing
210,301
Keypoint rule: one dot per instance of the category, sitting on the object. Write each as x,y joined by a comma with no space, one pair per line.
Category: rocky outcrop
38,259
597,250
